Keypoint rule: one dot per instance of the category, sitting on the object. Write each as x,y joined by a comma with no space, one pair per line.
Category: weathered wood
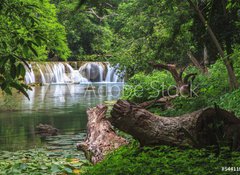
205,127
183,85
196,63
101,138
165,102
172,68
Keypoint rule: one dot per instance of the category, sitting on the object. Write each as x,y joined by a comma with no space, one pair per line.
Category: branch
172,69
195,62
101,18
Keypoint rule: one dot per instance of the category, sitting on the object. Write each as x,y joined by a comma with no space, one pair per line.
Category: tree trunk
101,138
165,102
206,127
173,70
231,75
196,63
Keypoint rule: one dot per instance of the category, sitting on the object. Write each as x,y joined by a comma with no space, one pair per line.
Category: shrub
132,160
142,87
231,101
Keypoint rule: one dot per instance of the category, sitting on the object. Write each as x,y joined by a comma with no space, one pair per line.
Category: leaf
4,45
2,79
4,60
55,169
33,50
20,88
68,170
21,70
21,41
13,71
25,50
4,85
8,91
38,40
24,61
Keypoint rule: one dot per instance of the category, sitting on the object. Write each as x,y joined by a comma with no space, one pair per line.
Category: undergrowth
164,160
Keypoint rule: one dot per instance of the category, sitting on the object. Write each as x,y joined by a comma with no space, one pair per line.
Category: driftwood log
101,138
203,128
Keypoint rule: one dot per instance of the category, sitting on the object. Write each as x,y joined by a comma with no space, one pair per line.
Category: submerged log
101,138
203,128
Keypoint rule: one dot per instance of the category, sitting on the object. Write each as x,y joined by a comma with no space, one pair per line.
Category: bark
196,63
165,102
183,85
203,128
101,138
173,70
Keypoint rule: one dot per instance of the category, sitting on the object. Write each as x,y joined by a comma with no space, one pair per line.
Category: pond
62,106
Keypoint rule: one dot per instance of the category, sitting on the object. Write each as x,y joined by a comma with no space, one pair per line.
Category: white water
29,77
112,75
63,73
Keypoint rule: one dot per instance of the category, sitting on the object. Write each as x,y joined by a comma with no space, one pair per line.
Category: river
62,106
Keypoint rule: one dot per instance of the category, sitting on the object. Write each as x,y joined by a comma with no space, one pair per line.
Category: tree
88,31
228,22
29,31
151,31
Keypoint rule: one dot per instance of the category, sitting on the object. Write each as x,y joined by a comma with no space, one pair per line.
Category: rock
46,130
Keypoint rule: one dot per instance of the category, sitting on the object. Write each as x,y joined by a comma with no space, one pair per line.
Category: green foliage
132,160
230,101
36,162
151,31
142,87
182,105
215,83
235,57
29,31
88,32
210,89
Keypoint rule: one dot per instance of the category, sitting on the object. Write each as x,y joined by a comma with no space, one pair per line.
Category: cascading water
42,75
93,71
75,75
101,72
63,73
29,77
113,75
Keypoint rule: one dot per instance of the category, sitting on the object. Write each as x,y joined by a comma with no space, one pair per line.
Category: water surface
62,106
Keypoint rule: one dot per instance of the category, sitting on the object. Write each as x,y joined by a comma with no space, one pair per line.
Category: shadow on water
62,106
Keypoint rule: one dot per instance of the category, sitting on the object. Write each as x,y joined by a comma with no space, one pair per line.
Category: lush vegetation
133,34
36,162
133,160
29,31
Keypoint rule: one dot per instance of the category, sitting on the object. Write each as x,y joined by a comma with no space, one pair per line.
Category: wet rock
46,130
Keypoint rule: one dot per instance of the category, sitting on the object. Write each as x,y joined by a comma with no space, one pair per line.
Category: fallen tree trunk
165,102
206,127
101,138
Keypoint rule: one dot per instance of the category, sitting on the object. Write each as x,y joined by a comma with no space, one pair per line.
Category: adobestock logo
161,90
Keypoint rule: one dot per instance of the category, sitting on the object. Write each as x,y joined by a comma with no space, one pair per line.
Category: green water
62,106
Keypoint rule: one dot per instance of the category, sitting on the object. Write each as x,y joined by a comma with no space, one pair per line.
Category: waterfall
29,77
42,75
93,71
113,75
64,73
75,75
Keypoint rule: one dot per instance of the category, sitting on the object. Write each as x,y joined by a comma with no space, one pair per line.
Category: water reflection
63,106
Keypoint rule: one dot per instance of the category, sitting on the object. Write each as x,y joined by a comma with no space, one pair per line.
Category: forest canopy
30,31
130,33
